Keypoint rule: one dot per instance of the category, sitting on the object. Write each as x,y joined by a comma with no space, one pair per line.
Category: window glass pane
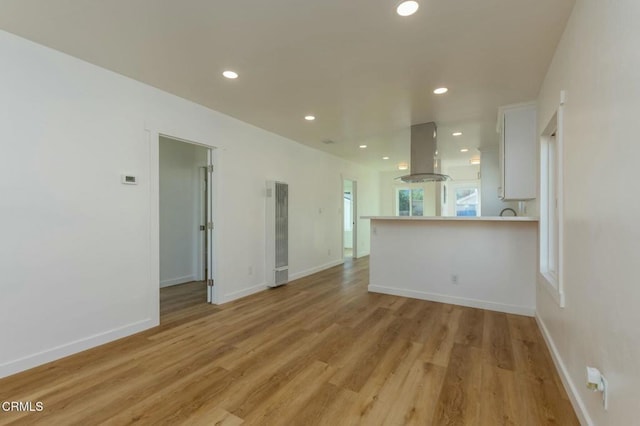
466,201
417,202
552,202
404,206
417,208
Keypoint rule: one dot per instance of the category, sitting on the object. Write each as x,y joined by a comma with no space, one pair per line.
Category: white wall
181,211
495,262
387,192
79,253
598,64
461,172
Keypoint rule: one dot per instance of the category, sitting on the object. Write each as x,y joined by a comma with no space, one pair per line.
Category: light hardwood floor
177,299
321,350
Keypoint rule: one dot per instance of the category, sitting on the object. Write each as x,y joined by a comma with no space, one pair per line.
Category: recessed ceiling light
403,166
407,8
457,133
385,158
309,117
475,160
441,91
464,150
230,74
363,146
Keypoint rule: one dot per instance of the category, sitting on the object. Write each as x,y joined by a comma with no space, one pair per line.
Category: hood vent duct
425,164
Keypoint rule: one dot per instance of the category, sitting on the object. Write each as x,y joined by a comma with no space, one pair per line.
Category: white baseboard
243,293
569,386
312,271
260,287
178,280
34,360
455,300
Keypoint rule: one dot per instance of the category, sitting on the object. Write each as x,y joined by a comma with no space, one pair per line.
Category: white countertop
457,218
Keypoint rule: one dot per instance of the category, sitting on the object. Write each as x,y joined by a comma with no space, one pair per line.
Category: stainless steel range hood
425,164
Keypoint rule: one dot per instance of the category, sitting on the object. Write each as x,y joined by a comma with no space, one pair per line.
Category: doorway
350,224
185,193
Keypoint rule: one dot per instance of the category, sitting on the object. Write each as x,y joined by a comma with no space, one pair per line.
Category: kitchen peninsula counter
483,262
457,218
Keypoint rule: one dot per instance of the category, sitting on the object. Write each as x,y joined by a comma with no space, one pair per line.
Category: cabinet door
519,156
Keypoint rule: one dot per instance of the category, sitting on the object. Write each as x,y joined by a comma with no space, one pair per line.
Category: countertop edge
456,219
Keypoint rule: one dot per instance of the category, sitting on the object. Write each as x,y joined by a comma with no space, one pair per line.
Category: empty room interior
300,213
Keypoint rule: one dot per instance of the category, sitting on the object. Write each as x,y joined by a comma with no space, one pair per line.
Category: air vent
277,238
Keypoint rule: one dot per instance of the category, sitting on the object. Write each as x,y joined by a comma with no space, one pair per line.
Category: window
467,201
409,202
551,207
464,198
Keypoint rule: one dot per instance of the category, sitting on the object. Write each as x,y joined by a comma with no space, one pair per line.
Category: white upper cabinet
518,161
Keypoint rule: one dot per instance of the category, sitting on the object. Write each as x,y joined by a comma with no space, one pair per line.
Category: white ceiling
366,73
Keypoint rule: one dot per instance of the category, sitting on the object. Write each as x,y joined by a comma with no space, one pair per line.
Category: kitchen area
459,230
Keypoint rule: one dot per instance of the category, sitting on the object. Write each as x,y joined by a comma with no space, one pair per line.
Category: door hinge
210,283
210,225
210,168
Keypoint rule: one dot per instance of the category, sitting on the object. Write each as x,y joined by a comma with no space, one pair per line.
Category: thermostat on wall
130,179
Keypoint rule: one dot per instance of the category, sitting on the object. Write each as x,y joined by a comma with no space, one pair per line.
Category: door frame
153,142
203,177
354,214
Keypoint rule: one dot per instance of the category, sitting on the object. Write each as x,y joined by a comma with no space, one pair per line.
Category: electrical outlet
250,270
454,278
596,382
329,252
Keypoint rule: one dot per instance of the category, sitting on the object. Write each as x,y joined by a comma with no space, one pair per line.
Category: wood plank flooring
174,300
319,351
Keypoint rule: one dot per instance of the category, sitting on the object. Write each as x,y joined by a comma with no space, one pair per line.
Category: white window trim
553,283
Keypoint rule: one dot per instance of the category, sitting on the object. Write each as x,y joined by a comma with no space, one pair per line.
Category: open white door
350,222
210,274
354,219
